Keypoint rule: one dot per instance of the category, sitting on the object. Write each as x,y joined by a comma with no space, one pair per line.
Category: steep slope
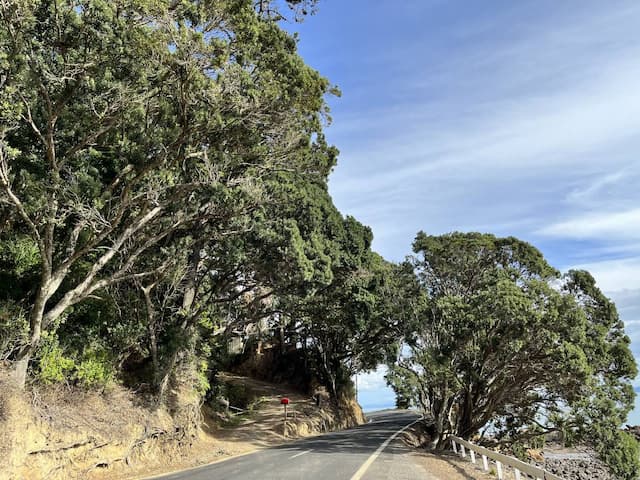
65,433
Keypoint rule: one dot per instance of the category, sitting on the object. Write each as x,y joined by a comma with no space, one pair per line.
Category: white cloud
601,225
372,380
596,189
523,157
616,275
526,136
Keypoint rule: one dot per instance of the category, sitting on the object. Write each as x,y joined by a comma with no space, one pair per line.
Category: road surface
366,452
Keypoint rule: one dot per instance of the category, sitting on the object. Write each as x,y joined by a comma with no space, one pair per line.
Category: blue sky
516,118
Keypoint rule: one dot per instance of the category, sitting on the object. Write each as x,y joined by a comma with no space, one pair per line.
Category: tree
502,340
126,127
608,395
345,306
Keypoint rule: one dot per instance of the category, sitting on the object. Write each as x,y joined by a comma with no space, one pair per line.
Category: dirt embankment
62,433
59,433
263,423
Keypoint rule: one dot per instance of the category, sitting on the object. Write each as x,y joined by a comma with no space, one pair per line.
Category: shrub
95,370
202,384
54,366
621,452
92,369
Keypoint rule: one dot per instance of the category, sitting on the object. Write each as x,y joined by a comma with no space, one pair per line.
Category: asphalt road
343,455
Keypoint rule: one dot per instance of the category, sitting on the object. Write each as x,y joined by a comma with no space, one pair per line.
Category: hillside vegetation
165,215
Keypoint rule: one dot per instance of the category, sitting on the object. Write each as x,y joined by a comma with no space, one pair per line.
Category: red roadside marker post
285,401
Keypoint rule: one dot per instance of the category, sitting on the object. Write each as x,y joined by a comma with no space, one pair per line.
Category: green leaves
503,340
138,134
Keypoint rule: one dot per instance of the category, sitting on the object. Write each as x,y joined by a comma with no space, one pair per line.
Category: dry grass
448,466
62,433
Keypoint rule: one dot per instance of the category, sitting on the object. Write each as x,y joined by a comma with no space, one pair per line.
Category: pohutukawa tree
500,339
334,297
127,126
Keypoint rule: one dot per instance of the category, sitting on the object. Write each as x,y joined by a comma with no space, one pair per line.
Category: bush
202,384
621,452
95,370
54,366
520,446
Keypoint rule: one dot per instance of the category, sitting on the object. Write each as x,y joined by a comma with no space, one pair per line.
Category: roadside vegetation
505,349
165,215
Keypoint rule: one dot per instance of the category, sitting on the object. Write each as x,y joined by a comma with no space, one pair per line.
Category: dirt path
264,426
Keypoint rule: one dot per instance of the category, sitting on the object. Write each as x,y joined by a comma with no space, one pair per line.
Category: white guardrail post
501,461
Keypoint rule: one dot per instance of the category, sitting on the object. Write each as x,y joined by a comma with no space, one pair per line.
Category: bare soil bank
65,433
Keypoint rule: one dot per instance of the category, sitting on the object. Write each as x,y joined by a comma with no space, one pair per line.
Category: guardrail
519,468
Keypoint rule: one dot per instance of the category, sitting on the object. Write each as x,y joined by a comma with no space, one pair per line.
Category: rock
577,469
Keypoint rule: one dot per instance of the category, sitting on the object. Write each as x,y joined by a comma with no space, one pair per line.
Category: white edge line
361,471
189,469
300,454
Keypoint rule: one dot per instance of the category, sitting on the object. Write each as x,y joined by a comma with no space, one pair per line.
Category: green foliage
92,368
501,339
402,401
14,328
53,366
532,437
172,128
519,450
239,396
95,369
621,452
202,385
19,255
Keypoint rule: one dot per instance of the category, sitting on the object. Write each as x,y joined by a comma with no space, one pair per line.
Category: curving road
367,452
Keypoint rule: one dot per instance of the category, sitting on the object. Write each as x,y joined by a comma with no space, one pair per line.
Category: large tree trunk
464,426
20,367
438,425
163,383
152,331
21,363
440,403
187,316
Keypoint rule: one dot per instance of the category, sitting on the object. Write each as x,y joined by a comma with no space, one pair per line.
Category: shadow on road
362,439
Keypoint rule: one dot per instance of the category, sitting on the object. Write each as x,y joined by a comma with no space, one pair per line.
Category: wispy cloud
537,134
602,225
529,132
616,275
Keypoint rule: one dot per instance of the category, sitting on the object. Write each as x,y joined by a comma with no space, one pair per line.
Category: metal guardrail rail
519,467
